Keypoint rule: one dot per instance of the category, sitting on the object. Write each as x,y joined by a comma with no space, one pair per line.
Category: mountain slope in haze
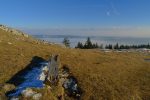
102,76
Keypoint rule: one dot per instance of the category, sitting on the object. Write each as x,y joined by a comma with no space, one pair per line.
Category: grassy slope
106,76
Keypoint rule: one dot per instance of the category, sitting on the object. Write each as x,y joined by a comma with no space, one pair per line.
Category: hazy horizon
101,40
114,31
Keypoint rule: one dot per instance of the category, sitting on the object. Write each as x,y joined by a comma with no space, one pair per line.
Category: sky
81,17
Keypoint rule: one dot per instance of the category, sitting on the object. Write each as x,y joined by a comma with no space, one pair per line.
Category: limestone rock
14,98
37,96
28,92
9,43
8,87
14,31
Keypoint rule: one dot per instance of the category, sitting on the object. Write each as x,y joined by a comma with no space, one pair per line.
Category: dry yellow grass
102,76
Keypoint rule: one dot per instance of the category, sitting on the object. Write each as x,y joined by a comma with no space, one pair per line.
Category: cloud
111,31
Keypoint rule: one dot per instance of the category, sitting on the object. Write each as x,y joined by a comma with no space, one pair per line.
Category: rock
64,72
49,87
9,43
69,83
42,76
28,92
8,87
26,35
14,98
62,80
37,96
13,31
21,55
45,68
44,73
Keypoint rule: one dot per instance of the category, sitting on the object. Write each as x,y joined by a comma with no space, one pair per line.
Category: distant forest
89,45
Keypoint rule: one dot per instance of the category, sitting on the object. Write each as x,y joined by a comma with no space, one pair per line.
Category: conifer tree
66,42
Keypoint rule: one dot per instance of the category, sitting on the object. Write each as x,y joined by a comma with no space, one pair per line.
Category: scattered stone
62,80
26,35
45,68
72,88
42,76
14,31
47,86
14,98
37,96
21,55
28,92
8,87
66,81
44,73
69,83
64,72
9,43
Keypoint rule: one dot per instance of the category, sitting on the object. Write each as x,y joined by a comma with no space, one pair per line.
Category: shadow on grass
17,79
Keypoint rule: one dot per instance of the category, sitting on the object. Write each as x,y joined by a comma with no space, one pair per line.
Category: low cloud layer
114,31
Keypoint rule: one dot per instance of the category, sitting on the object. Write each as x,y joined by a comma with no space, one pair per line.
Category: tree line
117,46
89,45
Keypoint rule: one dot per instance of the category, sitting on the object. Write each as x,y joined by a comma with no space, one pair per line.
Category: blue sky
101,16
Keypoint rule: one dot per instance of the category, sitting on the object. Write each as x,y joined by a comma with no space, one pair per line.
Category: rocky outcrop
14,31
69,83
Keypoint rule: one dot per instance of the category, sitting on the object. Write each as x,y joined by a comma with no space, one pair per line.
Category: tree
110,46
116,46
148,46
122,47
95,45
101,46
79,45
88,44
66,42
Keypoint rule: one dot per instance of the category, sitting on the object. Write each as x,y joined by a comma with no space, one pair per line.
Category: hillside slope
102,76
